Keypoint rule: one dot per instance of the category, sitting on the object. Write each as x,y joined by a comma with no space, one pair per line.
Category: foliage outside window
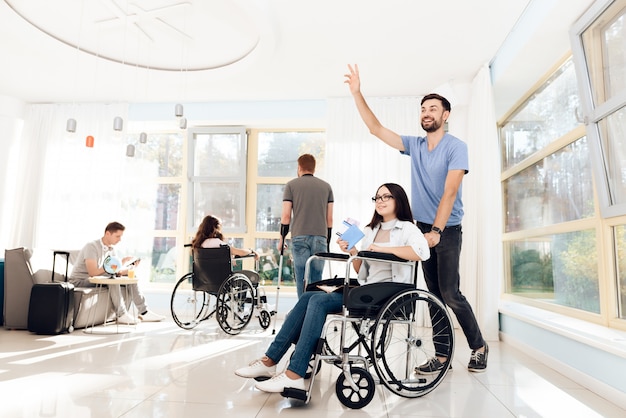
560,269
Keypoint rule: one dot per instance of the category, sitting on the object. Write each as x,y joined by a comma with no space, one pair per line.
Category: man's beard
434,125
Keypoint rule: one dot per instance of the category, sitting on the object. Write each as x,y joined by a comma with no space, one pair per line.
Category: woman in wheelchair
391,230
209,235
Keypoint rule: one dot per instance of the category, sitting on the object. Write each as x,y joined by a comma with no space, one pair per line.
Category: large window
550,231
152,207
162,192
565,235
274,161
599,48
217,176
86,188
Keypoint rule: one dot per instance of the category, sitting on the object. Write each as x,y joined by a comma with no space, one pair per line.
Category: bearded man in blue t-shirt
438,163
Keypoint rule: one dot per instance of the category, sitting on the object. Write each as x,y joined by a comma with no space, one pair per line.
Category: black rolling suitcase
51,308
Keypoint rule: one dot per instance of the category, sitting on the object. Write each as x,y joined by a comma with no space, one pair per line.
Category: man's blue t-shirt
428,175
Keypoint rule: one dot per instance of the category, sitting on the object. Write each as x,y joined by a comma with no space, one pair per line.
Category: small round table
100,281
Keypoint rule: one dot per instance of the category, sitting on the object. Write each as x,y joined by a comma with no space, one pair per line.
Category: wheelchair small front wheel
355,399
188,306
265,319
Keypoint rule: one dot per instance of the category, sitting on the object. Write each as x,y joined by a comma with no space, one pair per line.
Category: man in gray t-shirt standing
308,212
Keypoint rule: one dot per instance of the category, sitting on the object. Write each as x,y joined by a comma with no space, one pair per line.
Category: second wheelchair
237,294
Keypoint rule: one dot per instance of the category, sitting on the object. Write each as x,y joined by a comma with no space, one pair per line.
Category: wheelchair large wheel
405,335
235,303
355,399
189,307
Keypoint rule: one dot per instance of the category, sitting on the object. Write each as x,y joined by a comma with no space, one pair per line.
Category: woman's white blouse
403,233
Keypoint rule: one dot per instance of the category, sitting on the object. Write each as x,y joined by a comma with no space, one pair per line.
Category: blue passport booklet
352,234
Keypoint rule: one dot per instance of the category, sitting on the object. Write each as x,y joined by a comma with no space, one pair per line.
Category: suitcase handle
54,260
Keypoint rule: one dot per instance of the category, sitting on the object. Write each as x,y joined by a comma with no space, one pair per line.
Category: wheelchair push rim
235,303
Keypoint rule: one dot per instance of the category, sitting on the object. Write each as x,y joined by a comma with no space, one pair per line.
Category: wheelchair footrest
294,394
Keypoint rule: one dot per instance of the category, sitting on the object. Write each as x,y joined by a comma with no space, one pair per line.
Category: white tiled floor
160,370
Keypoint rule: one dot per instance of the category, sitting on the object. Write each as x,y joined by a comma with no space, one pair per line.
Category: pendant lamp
71,125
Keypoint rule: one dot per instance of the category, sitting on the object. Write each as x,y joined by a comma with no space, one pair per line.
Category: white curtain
71,189
481,258
357,162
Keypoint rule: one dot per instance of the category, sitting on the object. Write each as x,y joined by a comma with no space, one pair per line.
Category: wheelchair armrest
335,256
380,256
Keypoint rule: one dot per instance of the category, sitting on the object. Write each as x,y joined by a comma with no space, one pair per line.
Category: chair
19,280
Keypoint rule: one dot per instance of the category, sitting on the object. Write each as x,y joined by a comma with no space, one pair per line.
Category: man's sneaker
432,366
150,316
478,360
256,369
126,318
278,383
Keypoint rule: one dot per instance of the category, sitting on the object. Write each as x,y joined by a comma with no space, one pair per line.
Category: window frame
594,113
559,228
193,179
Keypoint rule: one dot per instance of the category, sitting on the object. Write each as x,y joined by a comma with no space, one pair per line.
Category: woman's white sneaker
278,383
256,369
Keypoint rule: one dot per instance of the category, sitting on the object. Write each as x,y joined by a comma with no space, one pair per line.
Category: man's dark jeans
441,272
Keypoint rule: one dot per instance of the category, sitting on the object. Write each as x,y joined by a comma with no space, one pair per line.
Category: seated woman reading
392,231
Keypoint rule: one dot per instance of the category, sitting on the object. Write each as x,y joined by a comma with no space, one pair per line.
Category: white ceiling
226,50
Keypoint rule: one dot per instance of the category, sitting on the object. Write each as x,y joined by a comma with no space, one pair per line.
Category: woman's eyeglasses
383,198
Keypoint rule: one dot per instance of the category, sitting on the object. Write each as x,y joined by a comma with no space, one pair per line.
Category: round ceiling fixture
167,35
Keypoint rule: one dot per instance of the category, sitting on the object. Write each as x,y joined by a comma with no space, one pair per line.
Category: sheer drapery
357,162
71,189
481,258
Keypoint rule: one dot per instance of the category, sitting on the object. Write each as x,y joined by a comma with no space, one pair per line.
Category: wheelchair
237,293
385,331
